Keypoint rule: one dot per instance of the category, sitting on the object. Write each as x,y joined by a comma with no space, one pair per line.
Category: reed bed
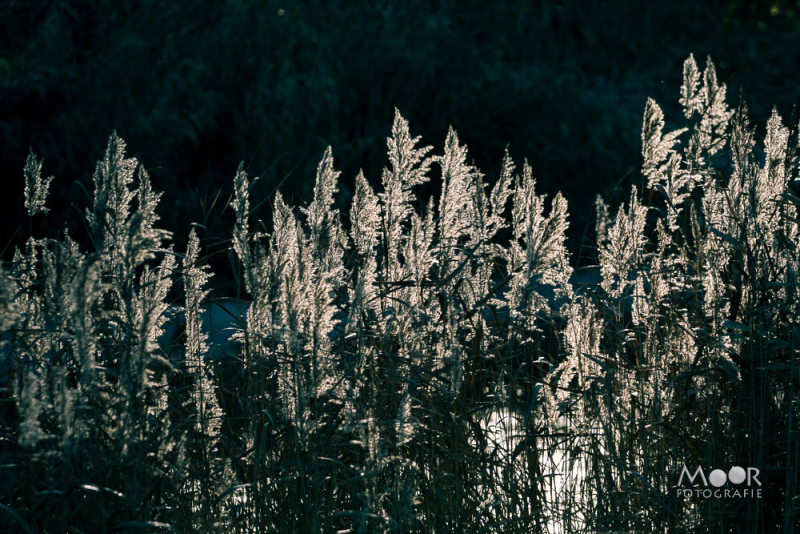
411,367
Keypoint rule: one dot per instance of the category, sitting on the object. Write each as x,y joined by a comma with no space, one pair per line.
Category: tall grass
418,370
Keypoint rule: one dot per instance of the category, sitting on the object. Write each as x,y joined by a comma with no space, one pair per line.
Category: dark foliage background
196,86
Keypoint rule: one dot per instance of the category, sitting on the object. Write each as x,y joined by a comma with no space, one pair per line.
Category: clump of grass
406,370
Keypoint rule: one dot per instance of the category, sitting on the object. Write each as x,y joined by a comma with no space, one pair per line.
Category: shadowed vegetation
196,86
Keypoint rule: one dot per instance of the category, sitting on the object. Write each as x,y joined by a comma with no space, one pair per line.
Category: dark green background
196,86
